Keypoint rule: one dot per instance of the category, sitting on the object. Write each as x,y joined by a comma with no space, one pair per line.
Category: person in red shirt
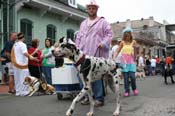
35,67
157,60
169,69
169,60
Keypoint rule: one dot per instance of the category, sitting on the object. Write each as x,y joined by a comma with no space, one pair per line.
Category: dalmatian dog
90,69
36,85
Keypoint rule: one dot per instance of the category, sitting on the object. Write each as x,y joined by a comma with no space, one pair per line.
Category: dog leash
90,65
96,52
42,78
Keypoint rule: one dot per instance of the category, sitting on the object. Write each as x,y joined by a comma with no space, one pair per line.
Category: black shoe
11,92
99,103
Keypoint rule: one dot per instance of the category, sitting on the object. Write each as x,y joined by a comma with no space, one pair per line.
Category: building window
72,3
0,26
157,52
51,32
26,28
149,52
145,27
70,34
5,19
144,51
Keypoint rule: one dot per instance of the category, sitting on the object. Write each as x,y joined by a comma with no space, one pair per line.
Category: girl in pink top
126,48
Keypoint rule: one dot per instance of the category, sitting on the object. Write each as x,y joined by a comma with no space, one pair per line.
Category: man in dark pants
93,39
168,69
4,69
8,48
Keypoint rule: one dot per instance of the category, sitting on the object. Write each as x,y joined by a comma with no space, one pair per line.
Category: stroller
65,80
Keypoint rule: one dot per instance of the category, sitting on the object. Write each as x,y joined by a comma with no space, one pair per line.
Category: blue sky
121,10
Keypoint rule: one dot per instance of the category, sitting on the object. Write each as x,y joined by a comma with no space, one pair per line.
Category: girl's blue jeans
129,78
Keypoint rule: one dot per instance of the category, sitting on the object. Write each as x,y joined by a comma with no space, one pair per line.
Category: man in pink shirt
94,39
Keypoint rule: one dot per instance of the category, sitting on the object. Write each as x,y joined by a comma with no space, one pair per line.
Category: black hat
20,35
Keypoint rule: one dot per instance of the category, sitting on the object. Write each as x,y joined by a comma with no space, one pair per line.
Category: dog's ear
29,79
61,40
25,79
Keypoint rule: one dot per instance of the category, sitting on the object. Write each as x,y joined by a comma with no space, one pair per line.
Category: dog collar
80,60
35,81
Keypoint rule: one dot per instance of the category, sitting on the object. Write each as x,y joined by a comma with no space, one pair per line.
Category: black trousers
35,71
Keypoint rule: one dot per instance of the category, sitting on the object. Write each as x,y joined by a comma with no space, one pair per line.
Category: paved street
155,99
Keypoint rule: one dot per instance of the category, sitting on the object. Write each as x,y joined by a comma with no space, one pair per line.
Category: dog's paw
115,114
54,93
69,113
29,95
90,114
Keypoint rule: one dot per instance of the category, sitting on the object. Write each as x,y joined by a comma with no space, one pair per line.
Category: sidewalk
4,89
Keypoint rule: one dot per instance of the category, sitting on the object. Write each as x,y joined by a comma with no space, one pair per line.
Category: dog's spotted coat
91,69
